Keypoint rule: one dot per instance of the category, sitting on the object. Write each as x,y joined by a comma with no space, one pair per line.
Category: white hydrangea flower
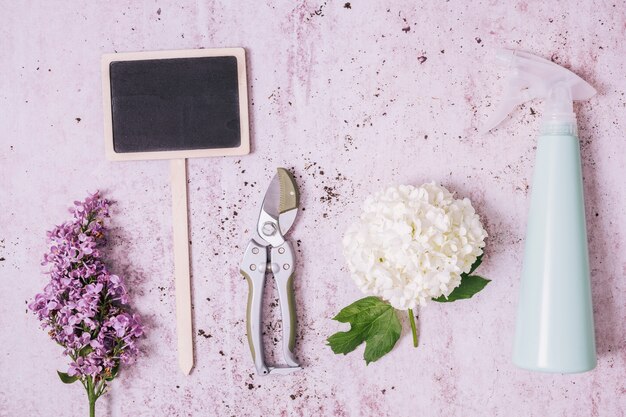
412,244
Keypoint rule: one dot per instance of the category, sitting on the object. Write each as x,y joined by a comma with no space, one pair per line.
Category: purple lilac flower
84,306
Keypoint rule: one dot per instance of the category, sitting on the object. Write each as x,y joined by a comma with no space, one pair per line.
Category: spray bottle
554,328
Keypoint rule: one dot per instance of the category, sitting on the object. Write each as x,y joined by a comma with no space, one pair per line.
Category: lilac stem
91,395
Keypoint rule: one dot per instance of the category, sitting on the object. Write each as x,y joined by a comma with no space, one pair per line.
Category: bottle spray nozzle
531,77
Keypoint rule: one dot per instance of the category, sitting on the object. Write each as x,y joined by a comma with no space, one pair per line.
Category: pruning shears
268,251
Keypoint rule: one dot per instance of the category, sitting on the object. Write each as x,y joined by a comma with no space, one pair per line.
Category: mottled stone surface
351,96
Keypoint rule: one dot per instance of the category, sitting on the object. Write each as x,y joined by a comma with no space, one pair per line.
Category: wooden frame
238,53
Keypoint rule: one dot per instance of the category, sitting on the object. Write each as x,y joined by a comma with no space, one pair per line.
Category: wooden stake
178,177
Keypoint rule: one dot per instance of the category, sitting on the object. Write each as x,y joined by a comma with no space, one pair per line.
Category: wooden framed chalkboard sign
175,104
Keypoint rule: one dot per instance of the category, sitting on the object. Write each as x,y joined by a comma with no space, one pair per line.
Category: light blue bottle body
555,331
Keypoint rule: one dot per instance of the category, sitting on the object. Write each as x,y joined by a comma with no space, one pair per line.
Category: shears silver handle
282,261
253,268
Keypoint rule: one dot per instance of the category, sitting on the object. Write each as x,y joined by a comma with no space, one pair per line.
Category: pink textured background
351,99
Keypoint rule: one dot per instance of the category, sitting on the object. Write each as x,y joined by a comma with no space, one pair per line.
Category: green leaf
114,372
66,379
476,264
365,309
470,285
86,350
372,321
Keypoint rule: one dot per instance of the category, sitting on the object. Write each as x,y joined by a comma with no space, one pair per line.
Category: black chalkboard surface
172,104
175,104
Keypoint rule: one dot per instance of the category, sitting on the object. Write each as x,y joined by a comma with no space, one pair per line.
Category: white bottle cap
531,77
